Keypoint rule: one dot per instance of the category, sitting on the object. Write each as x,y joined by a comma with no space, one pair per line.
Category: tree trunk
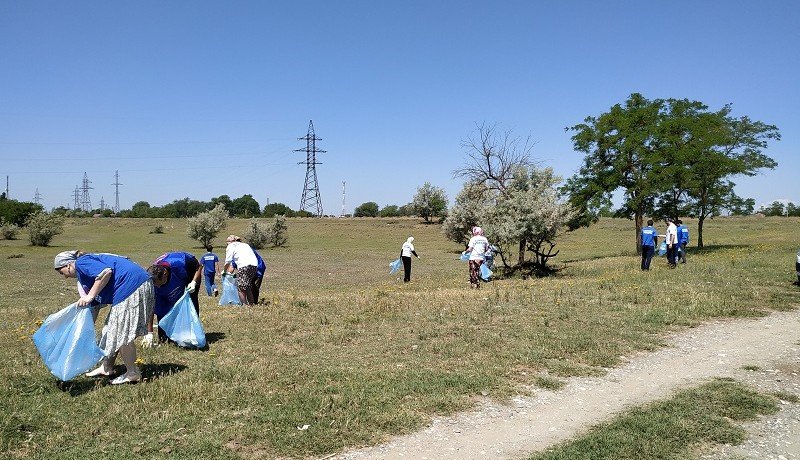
700,220
638,218
521,251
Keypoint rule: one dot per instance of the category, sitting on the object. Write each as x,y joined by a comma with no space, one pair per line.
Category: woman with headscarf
405,254
478,245
108,279
172,273
241,256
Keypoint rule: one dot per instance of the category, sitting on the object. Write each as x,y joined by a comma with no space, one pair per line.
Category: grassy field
351,351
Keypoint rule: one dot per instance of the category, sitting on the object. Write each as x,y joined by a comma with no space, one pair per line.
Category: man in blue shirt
683,239
210,263
649,241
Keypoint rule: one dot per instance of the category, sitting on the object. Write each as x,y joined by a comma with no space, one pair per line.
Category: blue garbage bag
486,274
182,325
230,293
465,255
395,265
662,249
67,342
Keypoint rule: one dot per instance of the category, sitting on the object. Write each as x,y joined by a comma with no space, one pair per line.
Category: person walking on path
210,263
649,243
683,240
241,256
405,254
672,243
108,279
173,273
477,247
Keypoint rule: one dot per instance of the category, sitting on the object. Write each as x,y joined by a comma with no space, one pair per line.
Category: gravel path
716,349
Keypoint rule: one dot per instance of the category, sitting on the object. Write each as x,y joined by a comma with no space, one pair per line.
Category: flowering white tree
205,226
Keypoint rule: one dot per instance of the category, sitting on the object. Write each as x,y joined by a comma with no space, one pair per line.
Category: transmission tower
102,204
343,195
77,195
37,198
116,184
311,196
86,203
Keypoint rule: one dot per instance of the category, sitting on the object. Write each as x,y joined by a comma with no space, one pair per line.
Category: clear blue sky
198,99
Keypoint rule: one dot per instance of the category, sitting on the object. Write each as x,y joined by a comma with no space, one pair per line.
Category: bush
157,229
278,234
8,229
42,227
257,236
205,226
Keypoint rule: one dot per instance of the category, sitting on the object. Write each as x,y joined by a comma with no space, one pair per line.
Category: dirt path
530,424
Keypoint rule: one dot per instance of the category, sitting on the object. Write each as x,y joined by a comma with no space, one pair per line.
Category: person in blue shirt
172,273
108,279
683,240
210,263
649,242
261,268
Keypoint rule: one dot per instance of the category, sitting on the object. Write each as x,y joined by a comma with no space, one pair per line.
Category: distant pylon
116,184
77,195
37,198
343,195
102,204
311,196
86,202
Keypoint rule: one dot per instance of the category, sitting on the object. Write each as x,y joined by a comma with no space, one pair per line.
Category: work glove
191,286
147,340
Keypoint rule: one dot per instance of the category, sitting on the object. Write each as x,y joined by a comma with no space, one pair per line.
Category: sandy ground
532,423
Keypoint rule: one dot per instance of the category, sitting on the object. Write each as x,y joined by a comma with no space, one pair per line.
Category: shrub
205,226
158,229
8,230
257,236
42,227
278,234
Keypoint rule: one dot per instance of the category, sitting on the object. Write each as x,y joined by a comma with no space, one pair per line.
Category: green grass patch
787,396
342,346
670,429
751,367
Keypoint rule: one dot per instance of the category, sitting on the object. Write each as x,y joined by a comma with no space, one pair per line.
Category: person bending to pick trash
108,279
173,273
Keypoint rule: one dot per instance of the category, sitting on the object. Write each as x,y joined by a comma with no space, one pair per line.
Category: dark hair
209,248
649,221
680,222
158,272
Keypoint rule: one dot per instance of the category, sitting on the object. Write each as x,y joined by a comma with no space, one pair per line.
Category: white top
479,245
672,234
241,254
407,249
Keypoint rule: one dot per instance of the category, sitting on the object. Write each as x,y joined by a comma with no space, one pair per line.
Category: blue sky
198,99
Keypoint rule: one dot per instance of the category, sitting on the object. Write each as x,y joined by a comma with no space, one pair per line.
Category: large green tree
622,153
430,201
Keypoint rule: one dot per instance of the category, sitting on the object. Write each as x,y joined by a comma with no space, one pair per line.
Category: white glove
191,286
147,340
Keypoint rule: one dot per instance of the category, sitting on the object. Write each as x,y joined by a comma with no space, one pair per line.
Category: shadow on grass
150,372
212,337
710,249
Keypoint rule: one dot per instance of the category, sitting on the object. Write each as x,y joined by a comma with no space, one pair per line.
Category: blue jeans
210,286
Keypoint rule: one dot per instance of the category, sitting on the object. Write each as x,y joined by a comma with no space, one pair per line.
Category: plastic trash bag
486,274
67,342
395,265
662,249
465,256
182,325
230,293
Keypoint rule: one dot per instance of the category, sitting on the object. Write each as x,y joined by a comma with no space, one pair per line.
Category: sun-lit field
348,349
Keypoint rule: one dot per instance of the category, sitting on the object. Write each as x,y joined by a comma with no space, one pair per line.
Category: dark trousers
682,253
257,288
406,269
647,256
672,254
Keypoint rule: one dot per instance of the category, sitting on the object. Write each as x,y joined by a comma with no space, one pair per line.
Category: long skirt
128,319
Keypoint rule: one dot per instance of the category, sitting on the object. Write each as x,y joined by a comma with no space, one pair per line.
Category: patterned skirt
245,277
128,319
474,271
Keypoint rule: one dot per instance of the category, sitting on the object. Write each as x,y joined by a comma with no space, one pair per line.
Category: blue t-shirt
182,267
683,234
649,236
209,261
126,276
261,267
